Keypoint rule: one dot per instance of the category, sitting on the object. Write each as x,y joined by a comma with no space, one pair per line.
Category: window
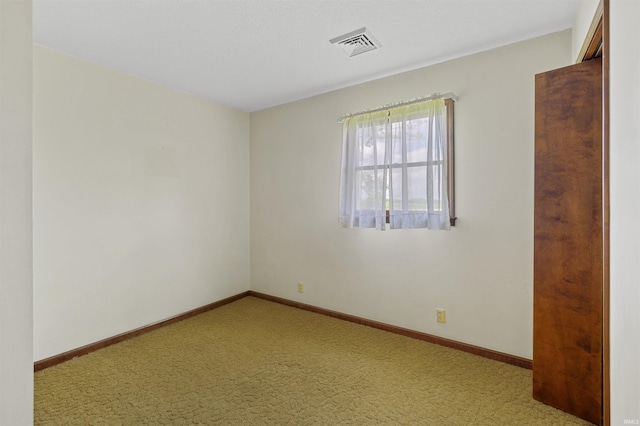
397,167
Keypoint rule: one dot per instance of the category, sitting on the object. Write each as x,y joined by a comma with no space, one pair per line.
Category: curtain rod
431,97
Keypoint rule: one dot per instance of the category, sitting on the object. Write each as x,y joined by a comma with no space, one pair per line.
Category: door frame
596,44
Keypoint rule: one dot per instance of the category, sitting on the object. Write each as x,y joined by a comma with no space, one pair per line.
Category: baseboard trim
92,347
476,350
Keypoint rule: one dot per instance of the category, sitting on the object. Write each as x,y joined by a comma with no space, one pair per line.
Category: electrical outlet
441,316
300,287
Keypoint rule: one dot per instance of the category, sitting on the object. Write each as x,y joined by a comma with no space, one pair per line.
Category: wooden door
568,251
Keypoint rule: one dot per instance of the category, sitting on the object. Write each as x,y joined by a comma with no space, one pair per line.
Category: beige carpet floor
255,362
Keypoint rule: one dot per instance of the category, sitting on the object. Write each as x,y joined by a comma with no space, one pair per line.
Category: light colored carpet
258,362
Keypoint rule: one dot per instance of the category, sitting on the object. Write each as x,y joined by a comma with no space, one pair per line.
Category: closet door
567,332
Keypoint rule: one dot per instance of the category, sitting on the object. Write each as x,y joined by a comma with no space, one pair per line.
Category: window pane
417,140
365,142
395,185
370,190
371,142
396,129
417,188
436,187
380,142
437,151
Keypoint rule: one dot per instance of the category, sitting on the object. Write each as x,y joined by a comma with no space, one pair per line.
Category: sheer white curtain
395,161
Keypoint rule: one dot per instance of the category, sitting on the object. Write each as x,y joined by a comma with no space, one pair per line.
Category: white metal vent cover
356,42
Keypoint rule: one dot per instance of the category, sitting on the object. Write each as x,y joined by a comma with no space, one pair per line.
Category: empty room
319,212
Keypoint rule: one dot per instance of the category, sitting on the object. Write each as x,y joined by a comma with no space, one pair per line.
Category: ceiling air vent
356,42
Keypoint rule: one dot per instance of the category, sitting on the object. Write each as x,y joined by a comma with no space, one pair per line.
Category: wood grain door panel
567,349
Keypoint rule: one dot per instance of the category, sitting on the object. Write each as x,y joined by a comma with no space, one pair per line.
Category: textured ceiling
253,54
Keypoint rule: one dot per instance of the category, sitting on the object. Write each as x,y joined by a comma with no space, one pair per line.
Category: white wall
141,202
481,272
625,204
581,25
16,347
